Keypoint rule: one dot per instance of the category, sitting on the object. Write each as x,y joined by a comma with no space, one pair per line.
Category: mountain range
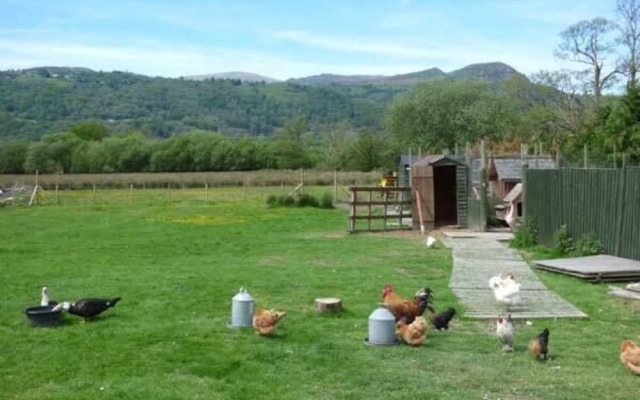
492,72
44,100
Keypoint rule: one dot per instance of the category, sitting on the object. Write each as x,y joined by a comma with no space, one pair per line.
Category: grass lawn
177,264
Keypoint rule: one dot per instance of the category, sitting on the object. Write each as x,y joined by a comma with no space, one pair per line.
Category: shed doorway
445,198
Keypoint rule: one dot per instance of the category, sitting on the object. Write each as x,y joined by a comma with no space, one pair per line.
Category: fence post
206,192
57,194
94,193
131,193
483,188
244,189
525,168
585,151
335,186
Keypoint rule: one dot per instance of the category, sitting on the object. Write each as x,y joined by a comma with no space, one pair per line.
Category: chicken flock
411,325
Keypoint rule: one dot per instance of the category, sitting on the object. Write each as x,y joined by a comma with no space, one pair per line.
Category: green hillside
46,100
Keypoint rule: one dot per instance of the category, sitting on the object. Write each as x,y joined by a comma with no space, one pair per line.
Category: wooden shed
505,172
440,192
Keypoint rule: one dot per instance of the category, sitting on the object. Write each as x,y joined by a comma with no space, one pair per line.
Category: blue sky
287,38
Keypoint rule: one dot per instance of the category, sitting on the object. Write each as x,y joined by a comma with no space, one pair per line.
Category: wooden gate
374,208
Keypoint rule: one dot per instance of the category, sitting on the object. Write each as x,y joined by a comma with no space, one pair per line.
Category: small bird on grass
441,320
505,330
539,346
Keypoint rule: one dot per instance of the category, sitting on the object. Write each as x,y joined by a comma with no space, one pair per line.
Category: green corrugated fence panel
630,231
603,201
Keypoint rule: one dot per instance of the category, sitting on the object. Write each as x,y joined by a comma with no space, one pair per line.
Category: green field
177,263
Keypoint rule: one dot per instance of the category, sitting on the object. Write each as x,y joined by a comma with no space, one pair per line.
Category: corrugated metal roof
510,169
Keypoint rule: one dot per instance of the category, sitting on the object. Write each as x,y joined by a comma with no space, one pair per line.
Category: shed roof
410,159
510,168
435,159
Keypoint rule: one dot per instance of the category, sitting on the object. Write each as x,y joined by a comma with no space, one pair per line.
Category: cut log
328,304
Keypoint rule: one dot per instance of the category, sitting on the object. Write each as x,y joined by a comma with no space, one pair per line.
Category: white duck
430,242
45,300
512,216
505,290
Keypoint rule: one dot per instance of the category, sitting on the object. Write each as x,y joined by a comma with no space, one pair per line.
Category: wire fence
122,189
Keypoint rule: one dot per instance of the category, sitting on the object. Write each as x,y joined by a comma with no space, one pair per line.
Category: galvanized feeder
382,327
241,310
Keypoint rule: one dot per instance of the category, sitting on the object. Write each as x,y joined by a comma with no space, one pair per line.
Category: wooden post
352,210
131,193
302,181
36,188
57,193
483,188
206,192
335,186
169,192
244,189
13,194
585,152
419,205
94,193
282,188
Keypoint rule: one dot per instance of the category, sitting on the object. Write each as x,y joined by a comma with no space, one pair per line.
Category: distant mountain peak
243,76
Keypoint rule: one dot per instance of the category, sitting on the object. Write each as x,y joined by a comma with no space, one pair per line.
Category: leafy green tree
91,130
622,127
129,152
13,153
38,158
438,114
61,149
290,149
368,152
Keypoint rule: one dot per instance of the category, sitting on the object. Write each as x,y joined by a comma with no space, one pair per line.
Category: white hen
431,241
505,290
505,330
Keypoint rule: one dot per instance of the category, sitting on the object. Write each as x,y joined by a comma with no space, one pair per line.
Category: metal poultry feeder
382,327
241,310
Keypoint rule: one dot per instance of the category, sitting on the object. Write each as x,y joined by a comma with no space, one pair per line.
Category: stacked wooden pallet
594,269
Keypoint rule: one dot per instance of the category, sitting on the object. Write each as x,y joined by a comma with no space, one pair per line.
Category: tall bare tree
590,42
628,12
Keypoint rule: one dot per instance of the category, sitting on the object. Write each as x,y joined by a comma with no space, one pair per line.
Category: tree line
89,148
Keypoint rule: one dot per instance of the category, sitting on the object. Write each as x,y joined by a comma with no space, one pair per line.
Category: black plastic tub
43,315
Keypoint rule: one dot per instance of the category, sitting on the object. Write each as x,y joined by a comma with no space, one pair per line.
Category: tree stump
328,304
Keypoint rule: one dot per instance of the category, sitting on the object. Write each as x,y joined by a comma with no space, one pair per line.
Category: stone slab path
477,257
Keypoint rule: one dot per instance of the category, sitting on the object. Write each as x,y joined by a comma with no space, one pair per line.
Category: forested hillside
48,100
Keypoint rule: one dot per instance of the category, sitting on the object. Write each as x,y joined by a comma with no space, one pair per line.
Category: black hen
89,308
539,346
441,320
